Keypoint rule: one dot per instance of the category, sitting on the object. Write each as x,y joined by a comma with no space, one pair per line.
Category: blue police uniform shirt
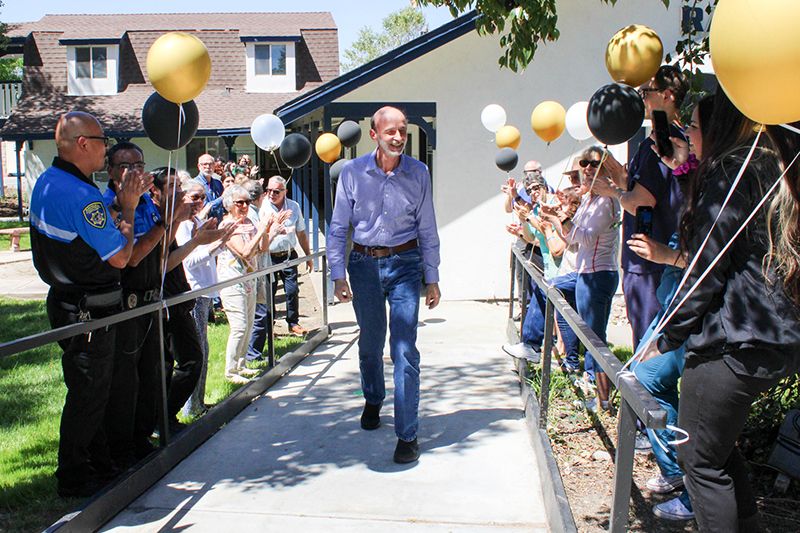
145,275
72,234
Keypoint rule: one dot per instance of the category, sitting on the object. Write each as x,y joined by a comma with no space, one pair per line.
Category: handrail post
513,280
547,351
163,426
623,468
523,291
271,307
325,290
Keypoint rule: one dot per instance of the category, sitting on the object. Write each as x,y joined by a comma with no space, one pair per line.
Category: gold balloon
756,56
507,137
328,147
178,66
548,120
634,54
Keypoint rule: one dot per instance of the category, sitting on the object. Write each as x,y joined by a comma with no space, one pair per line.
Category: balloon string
170,207
566,165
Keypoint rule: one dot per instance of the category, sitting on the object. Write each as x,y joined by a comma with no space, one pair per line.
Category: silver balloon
349,133
506,159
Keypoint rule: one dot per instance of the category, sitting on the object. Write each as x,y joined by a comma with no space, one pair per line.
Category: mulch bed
584,447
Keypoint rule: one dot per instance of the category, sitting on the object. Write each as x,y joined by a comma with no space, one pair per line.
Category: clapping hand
132,186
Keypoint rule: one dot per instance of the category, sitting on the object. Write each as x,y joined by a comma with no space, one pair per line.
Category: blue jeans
659,376
533,327
398,279
594,292
194,405
290,287
262,326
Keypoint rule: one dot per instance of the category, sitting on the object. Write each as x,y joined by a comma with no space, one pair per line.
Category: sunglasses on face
97,137
241,203
586,163
644,90
274,191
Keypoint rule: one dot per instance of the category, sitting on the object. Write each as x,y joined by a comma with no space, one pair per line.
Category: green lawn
5,240
31,396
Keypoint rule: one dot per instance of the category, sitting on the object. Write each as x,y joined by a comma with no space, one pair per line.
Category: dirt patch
584,447
8,207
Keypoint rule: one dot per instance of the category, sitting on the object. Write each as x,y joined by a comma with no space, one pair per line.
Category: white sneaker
673,510
664,484
522,350
236,379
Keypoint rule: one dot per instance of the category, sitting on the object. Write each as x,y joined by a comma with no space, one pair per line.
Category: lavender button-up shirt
384,210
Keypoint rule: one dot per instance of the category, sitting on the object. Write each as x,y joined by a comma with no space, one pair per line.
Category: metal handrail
116,497
635,400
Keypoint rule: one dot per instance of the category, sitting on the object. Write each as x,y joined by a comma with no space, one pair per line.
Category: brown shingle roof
219,109
115,26
223,105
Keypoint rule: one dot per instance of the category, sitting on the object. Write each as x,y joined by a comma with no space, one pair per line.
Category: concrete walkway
297,460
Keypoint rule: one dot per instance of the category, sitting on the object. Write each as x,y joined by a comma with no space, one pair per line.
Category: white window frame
271,83
92,86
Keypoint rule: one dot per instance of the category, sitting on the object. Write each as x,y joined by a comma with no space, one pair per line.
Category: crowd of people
151,231
711,283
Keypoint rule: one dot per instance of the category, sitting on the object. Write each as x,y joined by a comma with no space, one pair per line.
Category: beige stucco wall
462,77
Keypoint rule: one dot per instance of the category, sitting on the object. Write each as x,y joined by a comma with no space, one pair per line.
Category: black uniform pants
132,406
87,364
714,405
184,355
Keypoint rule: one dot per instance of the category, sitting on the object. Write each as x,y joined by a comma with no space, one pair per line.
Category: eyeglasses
128,166
274,191
644,90
586,163
98,137
241,202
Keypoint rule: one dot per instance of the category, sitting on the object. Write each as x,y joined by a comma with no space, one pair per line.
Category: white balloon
267,132
577,125
493,117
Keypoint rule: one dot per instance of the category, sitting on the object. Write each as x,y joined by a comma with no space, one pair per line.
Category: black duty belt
134,299
385,251
280,255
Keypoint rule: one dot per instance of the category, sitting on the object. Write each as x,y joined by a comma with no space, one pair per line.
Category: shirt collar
66,166
372,165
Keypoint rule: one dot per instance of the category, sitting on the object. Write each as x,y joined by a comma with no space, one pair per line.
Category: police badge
132,300
95,214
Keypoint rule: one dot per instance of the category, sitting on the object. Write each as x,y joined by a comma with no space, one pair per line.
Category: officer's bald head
80,141
72,125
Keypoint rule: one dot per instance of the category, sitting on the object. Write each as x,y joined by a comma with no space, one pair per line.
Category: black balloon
160,121
615,113
336,168
506,159
349,133
295,150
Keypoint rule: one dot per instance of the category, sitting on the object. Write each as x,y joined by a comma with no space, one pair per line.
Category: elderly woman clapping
238,258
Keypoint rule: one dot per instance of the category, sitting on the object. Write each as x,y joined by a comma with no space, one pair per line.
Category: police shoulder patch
95,214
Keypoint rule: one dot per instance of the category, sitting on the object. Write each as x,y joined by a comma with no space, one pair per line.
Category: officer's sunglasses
98,137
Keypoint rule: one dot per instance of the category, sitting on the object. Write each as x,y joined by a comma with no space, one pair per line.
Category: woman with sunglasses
238,258
595,229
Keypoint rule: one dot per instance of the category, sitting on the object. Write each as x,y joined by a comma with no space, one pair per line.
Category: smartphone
661,128
644,220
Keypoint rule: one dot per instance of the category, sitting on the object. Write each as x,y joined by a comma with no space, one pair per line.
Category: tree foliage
522,24
397,28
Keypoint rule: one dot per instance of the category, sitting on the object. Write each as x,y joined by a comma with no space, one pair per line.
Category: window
91,62
270,59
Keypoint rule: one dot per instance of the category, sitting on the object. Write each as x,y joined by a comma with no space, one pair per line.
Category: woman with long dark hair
740,324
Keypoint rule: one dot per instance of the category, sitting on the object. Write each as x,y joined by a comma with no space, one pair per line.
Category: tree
398,28
527,23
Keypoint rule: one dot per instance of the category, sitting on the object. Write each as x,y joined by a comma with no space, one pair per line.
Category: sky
350,15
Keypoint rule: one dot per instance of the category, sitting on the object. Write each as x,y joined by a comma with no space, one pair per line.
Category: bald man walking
386,196
78,249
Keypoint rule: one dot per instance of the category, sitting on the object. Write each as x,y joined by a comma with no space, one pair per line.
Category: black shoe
370,417
406,452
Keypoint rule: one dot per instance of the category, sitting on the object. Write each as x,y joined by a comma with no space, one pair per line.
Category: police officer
78,251
132,408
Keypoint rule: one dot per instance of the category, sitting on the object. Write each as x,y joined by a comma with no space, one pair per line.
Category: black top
647,169
736,308
175,283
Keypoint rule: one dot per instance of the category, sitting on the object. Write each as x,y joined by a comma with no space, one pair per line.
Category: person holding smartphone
648,183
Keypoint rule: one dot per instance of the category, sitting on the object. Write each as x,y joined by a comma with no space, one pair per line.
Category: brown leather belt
385,251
